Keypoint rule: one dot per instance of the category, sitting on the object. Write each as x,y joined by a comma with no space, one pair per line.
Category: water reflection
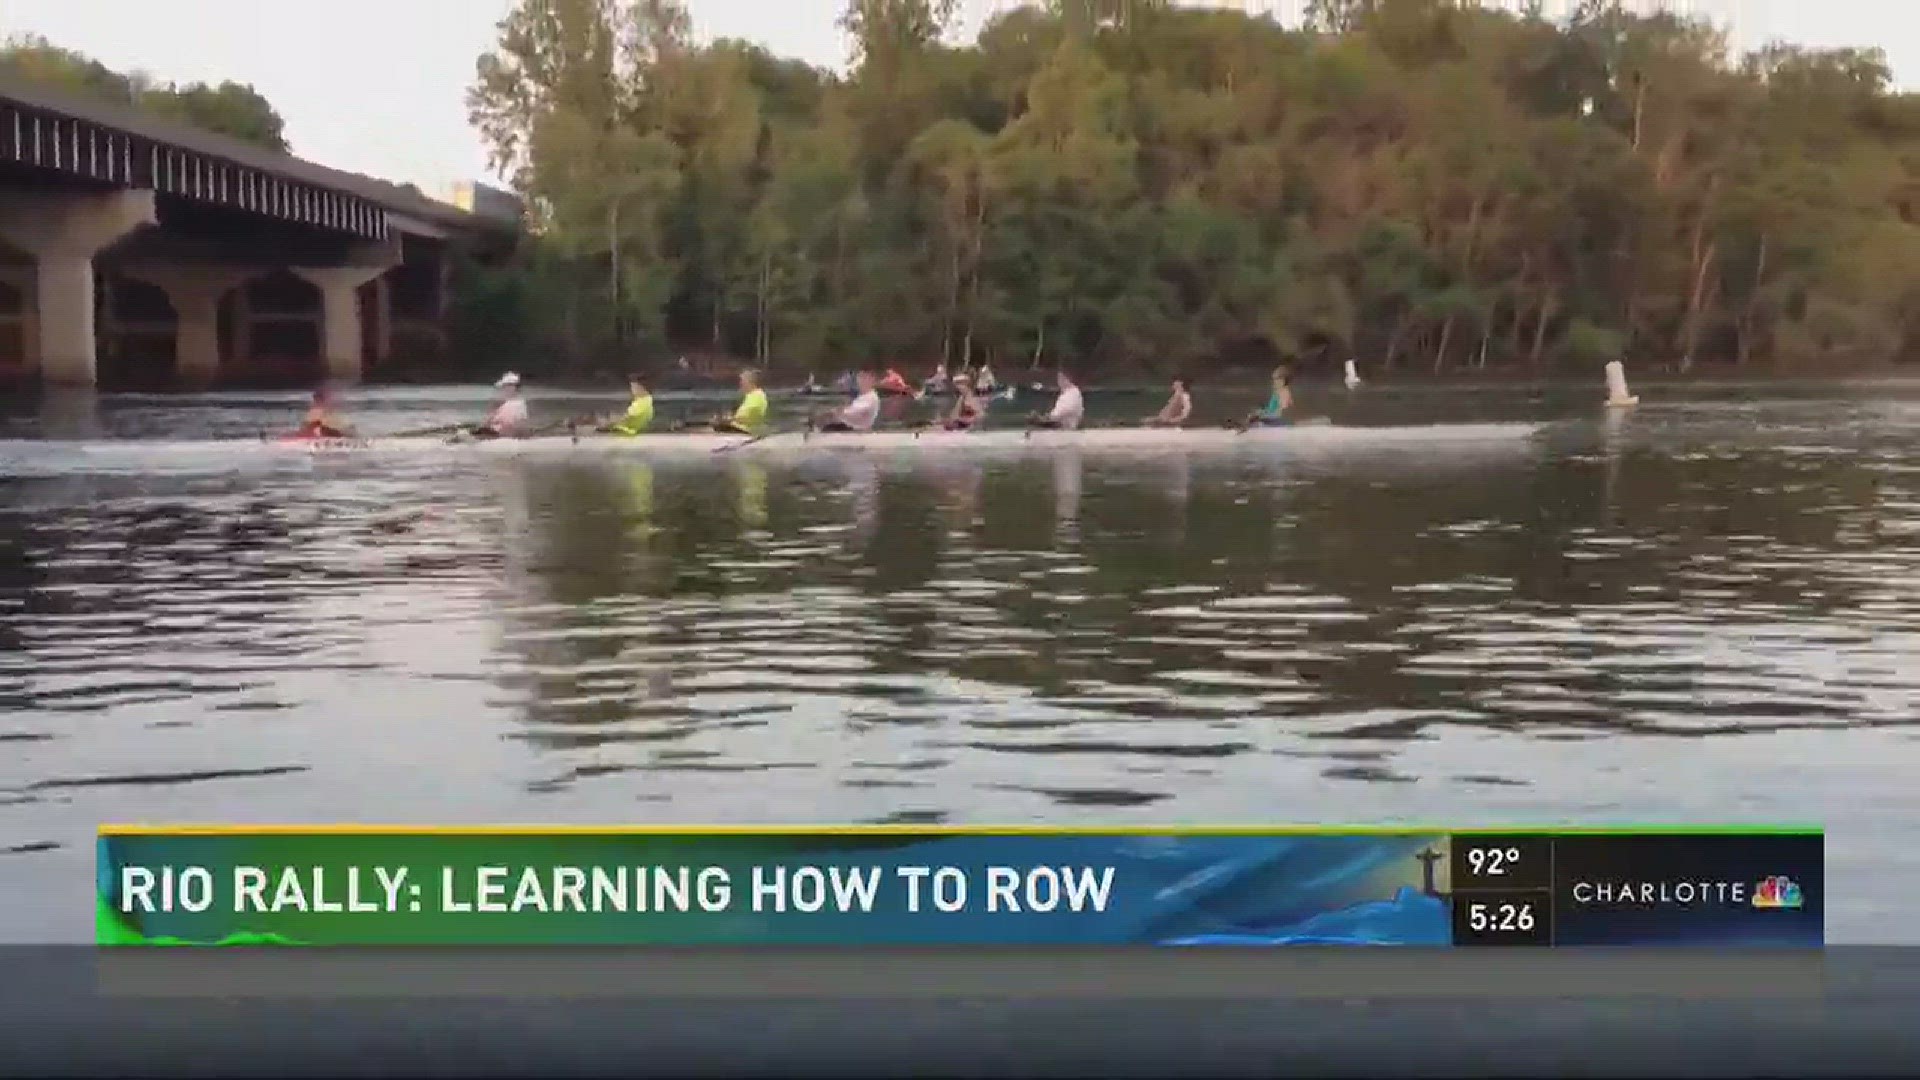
1439,596
68,414
1068,470
1613,447
1654,615
750,478
863,491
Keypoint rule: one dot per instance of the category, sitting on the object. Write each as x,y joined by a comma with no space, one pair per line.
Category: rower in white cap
509,416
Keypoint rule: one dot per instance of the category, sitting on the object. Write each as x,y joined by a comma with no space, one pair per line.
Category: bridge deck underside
79,150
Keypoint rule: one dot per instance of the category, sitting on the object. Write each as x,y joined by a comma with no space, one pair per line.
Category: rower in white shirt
863,411
1068,409
509,416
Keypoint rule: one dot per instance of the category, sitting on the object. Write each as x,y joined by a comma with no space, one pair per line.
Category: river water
1705,611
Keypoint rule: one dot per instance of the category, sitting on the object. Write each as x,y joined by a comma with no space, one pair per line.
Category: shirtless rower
1179,406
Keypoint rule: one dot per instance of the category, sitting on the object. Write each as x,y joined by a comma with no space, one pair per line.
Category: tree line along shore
1135,187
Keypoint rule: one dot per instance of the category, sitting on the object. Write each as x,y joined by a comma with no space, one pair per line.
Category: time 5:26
1500,918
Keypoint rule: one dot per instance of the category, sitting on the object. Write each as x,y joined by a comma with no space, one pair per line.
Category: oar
1248,424
755,439
295,436
1306,421
443,429
545,429
1035,422
558,425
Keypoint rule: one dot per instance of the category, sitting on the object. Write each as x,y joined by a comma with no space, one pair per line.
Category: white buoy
1617,396
1353,375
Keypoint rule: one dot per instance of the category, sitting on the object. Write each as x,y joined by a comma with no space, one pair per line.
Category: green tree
576,104
32,58
230,108
1129,186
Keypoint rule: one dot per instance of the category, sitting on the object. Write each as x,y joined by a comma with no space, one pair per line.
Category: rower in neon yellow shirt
639,415
751,417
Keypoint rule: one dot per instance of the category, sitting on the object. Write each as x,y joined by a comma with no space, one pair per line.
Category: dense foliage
229,108
1131,185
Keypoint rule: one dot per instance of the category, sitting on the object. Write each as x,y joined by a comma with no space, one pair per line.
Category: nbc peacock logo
1778,891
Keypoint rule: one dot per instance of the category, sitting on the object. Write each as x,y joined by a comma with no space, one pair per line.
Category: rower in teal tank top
1279,403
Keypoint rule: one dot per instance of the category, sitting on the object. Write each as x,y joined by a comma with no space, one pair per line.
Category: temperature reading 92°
1492,861
1501,861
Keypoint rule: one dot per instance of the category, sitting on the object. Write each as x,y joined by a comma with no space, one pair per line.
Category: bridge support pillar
195,293
63,293
342,342
19,281
63,231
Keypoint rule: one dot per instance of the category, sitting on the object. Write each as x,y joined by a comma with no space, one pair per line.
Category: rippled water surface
1708,610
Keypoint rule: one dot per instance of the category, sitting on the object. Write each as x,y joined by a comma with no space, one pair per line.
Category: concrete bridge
139,252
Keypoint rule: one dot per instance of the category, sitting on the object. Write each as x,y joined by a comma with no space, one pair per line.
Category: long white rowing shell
1122,440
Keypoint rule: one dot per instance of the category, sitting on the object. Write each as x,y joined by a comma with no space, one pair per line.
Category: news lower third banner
913,886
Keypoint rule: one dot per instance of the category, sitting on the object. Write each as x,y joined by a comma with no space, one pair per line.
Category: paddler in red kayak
322,422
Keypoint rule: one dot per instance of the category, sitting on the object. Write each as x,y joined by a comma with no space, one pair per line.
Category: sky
378,86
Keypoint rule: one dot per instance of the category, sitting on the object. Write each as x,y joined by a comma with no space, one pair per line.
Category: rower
969,409
895,383
751,416
860,414
938,381
509,416
1068,408
639,414
986,383
1178,407
321,421
1279,404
